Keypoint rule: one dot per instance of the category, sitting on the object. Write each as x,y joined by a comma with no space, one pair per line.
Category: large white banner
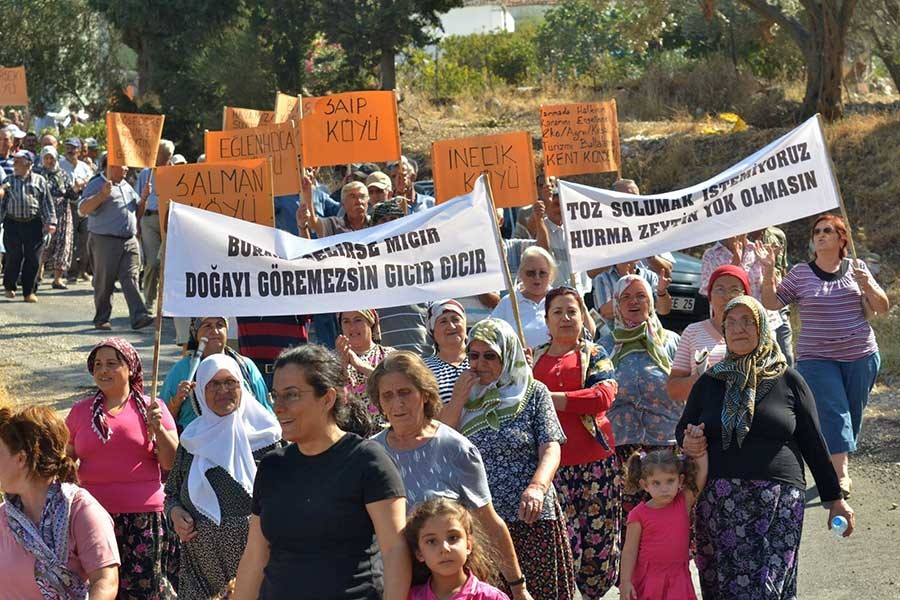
224,266
789,179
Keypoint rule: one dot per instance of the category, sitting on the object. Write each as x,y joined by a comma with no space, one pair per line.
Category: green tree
879,25
68,49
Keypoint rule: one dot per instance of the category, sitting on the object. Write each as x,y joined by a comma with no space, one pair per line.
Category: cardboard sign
287,107
13,88
506,157
351,127
245,118
580,138
133,139
276,141
241,189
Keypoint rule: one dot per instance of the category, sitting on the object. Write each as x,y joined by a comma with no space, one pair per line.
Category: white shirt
80,170
532,315
559,248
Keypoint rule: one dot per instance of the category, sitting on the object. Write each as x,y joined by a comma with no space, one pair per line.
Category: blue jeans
841,390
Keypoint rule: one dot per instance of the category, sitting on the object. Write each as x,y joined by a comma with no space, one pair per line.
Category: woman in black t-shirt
329,509
761,425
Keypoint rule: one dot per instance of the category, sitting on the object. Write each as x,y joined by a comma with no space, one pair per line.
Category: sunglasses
825,230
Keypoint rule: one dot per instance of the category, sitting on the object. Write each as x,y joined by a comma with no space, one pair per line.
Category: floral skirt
591,498
149,551
545,557
58,254
748,539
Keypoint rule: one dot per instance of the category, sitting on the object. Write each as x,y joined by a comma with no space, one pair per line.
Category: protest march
495,384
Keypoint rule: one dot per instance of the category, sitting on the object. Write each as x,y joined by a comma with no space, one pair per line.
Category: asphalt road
44,346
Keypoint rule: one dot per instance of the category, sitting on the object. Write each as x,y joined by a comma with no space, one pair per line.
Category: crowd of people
433,450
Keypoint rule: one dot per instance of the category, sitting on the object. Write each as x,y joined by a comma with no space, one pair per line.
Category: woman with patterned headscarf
510,418
178,390
360,351
643,417
124,440
759,417
58,253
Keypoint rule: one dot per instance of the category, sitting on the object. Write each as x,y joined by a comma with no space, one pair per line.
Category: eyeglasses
724,291
745,323
825,230
288,397
534,273
489,356
228,385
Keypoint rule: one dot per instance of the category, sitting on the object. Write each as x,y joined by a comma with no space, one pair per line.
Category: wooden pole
159,319
502,249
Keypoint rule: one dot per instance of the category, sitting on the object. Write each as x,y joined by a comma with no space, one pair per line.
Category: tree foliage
879,26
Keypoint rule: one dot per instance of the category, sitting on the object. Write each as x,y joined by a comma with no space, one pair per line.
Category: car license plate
682,303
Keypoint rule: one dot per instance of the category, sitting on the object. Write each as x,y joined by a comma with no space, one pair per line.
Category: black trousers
24,242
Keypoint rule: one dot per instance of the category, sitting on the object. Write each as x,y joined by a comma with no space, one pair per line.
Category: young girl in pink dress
450,552
656,554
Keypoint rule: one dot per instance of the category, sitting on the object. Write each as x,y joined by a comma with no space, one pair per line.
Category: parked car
688,304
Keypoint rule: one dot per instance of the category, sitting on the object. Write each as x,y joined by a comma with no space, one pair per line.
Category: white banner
789,179
223,266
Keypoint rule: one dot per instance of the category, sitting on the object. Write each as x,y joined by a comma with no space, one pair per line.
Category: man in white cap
28,214
80,173
380,188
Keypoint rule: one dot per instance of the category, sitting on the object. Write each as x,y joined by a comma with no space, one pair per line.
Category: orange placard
276,141
506,157
350,127
237,188
13,87
246,118
287,107
580,138
133,140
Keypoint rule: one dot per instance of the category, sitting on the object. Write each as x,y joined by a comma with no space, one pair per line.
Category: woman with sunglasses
702,344
579,375
536,272
208,490
510,418
837,352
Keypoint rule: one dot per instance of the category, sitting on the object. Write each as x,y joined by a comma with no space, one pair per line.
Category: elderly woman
325,506
536,272
837,352
124,441
58,253
579,376
208,491
435,460
511,420
643,417
360,352
759,418
447,326
56,541
702,344
177,387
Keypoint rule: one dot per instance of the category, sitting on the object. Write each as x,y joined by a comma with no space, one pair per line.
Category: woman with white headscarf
209,490
58,253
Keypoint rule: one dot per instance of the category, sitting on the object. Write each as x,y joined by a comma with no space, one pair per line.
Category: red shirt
563,374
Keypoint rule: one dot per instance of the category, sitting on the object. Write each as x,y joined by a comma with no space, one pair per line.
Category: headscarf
501,400
226,442
733,270
747,378
48,542
196,322
371,318
438,308
50,150
135,383
387,210
648,336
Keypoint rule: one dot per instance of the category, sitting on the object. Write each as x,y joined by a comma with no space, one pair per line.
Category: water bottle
839,525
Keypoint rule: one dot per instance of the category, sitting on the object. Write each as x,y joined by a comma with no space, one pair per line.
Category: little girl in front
450,552
656,554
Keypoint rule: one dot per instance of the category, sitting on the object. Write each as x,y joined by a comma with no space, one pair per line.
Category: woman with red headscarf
360,351
703,344
836,352
124,441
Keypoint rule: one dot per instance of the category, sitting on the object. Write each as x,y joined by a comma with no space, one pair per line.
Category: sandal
58,285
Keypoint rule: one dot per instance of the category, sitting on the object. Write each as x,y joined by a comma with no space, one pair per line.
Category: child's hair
641,465
483,559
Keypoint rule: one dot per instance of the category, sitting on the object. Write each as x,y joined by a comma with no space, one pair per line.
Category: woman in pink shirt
56,541
124,441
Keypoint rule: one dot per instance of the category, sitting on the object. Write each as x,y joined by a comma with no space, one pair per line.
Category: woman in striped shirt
447,326
836,352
